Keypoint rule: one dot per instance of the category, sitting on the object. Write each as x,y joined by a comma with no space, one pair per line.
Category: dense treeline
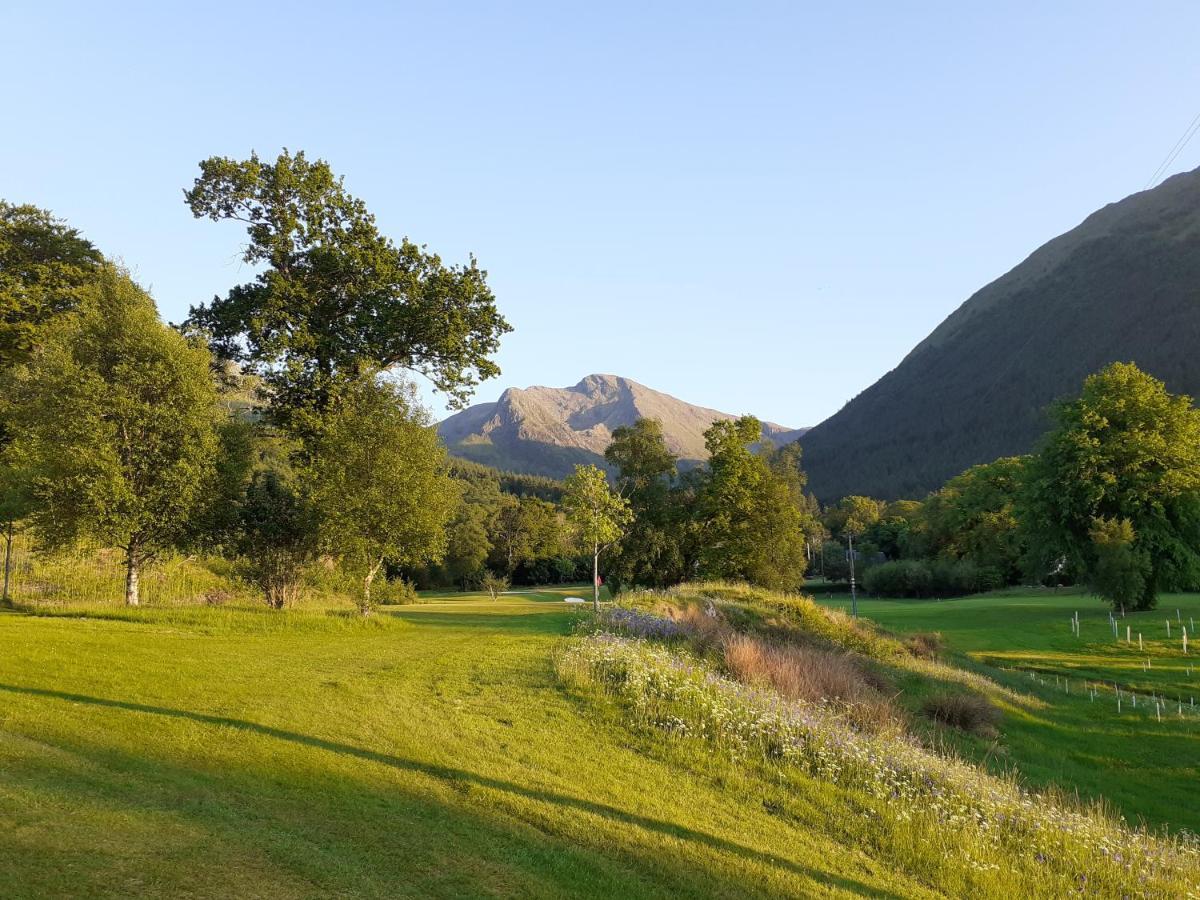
276,428
1111,499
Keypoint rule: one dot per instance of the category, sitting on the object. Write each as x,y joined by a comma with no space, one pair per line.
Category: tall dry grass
809,674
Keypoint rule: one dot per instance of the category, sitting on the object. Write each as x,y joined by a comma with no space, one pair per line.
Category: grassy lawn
1143,766
428,751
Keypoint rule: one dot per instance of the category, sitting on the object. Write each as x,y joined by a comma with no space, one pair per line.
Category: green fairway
428,751
1142,765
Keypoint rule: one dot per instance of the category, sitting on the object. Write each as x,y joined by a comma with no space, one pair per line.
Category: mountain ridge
547,431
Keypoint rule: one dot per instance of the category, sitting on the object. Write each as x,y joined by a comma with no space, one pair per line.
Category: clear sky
756,207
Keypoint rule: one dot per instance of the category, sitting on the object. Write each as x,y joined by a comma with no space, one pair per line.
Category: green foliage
929,578
335,299
523,529
277,536
1120,570
751,527
45,267
974,517
116,421
467,545
859,514
377,477
1125,449
597,514
493,585
654,550
517,483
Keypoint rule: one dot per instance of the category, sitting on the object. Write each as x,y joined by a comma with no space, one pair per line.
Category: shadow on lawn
459,776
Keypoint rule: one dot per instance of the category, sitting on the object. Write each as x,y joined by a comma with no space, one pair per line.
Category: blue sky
756,207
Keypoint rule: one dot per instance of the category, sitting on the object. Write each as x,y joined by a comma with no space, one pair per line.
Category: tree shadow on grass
458,777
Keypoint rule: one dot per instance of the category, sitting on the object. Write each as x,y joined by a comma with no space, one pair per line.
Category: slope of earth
429,752
547,431
1122,286
1136,761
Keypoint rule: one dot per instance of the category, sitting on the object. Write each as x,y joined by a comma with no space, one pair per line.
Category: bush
396,592
925,645
902,578
966,712
940,578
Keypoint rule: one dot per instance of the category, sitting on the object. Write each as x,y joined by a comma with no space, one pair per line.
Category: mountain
1124,285
547,431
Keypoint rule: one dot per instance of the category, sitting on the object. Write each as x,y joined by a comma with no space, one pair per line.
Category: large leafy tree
598,515
116,421
45,266
523,529
335,299
974,517
379,481
653,550
1126,450
752,527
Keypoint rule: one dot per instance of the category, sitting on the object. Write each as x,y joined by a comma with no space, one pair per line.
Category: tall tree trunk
596,579
132,576
6,597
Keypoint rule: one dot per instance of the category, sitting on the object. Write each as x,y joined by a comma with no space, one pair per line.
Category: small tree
116,415
277,537
494,584
379,482
598,516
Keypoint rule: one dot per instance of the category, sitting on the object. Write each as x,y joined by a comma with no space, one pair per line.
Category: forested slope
1122,286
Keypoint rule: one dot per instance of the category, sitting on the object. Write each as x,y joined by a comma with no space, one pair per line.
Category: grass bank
1139,763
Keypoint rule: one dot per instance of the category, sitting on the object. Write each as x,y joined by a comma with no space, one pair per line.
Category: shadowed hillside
1122,286
547,431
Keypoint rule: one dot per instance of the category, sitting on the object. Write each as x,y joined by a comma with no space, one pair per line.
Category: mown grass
433,754
1141,765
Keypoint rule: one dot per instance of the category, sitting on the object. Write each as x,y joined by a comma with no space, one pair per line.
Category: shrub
940,578
217,597
492,584
925,645
966,712
397,592
902,578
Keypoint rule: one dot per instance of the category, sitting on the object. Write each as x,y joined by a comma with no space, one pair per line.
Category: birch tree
116,419
379,482
597,514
